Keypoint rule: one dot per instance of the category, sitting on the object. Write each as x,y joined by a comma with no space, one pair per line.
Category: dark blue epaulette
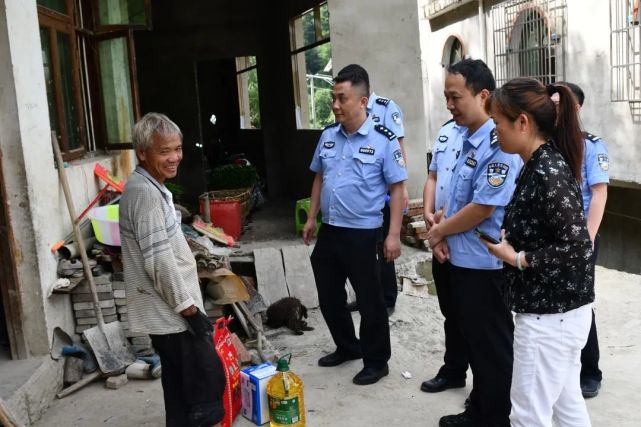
494,138
591,137
382,101
447,122
388,133
331,126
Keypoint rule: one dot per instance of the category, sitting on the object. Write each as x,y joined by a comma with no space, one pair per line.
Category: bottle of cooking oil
285,395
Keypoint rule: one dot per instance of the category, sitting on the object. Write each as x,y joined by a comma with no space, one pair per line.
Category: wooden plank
415,203
270,274
299,275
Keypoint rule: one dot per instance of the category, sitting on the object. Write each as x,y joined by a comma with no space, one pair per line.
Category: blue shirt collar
480,134
363,130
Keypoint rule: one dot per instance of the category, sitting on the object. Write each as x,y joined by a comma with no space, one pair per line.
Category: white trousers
547,365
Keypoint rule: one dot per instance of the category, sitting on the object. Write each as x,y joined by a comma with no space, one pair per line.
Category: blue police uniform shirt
484,175
595,169
357,170
386,112
446,149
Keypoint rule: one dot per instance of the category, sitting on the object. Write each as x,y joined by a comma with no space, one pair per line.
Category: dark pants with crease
455,357
590,354
388,270
488,330
341,253
193,380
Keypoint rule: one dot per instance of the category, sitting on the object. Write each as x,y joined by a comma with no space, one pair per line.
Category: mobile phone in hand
486,236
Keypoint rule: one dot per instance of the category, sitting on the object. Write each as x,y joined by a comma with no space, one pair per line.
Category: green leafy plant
176,189
232,176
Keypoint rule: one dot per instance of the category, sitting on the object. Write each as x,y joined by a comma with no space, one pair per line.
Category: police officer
386,112
444,154
482,184
594,188
355,162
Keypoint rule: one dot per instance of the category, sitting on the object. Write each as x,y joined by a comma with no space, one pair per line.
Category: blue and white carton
253,385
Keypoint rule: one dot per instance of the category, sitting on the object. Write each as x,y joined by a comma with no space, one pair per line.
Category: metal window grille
625,51
529,40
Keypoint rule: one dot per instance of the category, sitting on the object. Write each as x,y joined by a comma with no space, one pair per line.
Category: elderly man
163,293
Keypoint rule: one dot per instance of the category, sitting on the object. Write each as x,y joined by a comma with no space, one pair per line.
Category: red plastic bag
229,357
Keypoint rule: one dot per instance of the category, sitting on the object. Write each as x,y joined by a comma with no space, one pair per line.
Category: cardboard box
253,383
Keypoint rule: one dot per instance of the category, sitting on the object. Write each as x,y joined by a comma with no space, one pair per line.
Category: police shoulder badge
382,101
398,157
591,137
388,133
494,138
604,162
396,118
497,174
329,144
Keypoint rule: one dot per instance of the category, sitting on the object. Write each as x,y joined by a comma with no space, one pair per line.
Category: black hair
576,90
529,96
476,73
356,75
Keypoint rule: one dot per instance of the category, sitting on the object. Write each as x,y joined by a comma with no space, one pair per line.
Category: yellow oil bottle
285,395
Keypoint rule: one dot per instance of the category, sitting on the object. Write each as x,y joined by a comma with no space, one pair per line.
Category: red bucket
225,214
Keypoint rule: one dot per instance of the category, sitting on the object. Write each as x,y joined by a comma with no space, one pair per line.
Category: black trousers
193,380
455,358
488,330
590,354
341,253
388,270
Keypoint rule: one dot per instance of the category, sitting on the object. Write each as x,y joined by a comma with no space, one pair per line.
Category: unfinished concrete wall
384,38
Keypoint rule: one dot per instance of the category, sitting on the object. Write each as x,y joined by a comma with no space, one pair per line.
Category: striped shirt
161,278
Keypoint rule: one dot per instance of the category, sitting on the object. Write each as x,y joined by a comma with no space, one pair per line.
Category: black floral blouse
545,219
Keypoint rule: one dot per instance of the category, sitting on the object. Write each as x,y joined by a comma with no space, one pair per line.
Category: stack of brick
413,230
113,302
83,307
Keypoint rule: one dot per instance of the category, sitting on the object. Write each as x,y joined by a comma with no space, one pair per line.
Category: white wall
384,38
38,213
588,65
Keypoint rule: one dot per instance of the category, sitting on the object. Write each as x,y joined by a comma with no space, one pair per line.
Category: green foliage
176,189
254,100
229,177
323,100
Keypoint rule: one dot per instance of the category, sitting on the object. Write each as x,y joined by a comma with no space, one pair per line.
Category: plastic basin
104,220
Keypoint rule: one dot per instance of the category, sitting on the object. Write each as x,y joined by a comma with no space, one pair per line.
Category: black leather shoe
370,375
352,306
335,359
590,388
464,419
437,384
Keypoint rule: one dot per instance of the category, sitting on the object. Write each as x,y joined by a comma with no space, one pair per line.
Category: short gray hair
153,124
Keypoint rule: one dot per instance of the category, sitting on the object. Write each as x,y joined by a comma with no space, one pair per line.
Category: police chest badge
367,150
398,157
604,162
329,144
442,138
497,174
397,118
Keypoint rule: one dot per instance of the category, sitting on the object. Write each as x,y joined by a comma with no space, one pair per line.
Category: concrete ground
331,399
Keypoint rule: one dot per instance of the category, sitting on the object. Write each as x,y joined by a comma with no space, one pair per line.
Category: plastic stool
302,211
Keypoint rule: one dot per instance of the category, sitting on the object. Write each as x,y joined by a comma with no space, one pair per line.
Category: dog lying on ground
290,312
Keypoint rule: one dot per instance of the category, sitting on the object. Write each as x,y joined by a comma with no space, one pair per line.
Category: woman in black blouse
546,251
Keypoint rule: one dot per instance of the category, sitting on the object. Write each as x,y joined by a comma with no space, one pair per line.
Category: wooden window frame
54,23
98,28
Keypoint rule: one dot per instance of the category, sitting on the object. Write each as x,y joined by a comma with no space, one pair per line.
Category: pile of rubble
413,231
